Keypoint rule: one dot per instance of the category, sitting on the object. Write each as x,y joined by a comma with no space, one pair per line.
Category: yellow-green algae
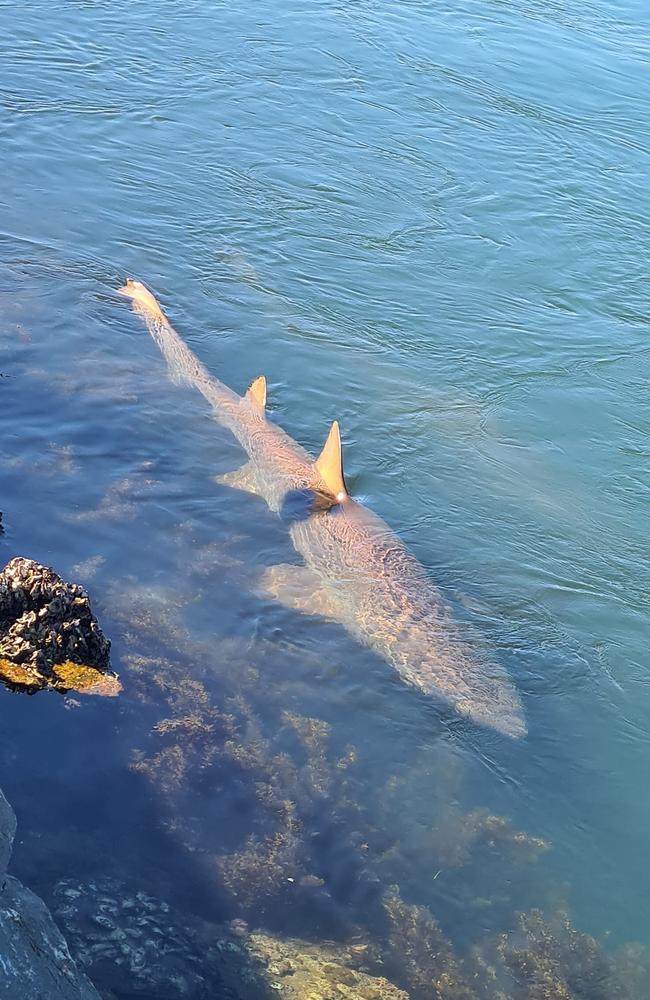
85,680
300,970
18,676
67,676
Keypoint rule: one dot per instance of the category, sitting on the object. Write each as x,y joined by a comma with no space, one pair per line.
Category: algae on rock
300,970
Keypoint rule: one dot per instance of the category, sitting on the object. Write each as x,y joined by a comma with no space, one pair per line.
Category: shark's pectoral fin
241,479
299,588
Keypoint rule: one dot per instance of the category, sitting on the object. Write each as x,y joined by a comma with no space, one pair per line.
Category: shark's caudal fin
329,464
141,296
256,391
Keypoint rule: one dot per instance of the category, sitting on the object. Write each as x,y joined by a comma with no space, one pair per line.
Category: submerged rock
49,636
7,833
138,946
35,963
300,970
133,944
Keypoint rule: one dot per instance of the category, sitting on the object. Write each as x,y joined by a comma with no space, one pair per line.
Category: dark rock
35,963
49,636
7,833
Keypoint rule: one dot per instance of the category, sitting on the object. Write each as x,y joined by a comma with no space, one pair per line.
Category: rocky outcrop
49,636
35,963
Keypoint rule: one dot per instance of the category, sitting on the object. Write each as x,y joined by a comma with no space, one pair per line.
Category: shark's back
384,597
356,568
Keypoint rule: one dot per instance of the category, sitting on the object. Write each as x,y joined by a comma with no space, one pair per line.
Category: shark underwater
356,570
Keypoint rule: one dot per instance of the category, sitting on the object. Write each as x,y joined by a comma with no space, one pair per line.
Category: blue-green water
430,221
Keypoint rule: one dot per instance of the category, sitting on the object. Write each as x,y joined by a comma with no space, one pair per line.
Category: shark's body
356,569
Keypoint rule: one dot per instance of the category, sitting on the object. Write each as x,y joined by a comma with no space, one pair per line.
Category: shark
355,570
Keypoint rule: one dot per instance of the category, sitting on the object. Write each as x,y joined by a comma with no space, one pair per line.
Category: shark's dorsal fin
329,464
257,391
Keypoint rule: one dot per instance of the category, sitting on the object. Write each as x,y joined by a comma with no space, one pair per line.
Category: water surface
430,222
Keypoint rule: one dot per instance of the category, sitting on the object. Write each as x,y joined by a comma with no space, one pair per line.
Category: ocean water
432,223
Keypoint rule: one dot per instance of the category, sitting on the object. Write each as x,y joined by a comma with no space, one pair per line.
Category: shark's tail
183,365
142,297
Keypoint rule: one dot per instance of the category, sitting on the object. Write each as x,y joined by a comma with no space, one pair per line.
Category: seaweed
418,953
545,958
632,966
264,869
313,848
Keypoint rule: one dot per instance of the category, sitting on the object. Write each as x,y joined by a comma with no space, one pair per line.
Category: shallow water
431,223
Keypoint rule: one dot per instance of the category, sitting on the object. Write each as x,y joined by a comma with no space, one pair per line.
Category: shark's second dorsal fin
257,391
329,464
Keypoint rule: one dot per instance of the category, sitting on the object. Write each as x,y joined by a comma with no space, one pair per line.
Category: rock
35,963
49,636
134,944
7,833
138,946
300,970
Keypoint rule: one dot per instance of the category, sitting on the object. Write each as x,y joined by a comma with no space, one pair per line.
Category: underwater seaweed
632,966
418,953
264,869
314,847
558,959
544,957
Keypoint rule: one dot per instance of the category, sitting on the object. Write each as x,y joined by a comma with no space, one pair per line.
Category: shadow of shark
356,570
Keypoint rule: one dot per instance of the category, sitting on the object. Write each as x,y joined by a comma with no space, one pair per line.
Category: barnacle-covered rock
49,636
134,944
